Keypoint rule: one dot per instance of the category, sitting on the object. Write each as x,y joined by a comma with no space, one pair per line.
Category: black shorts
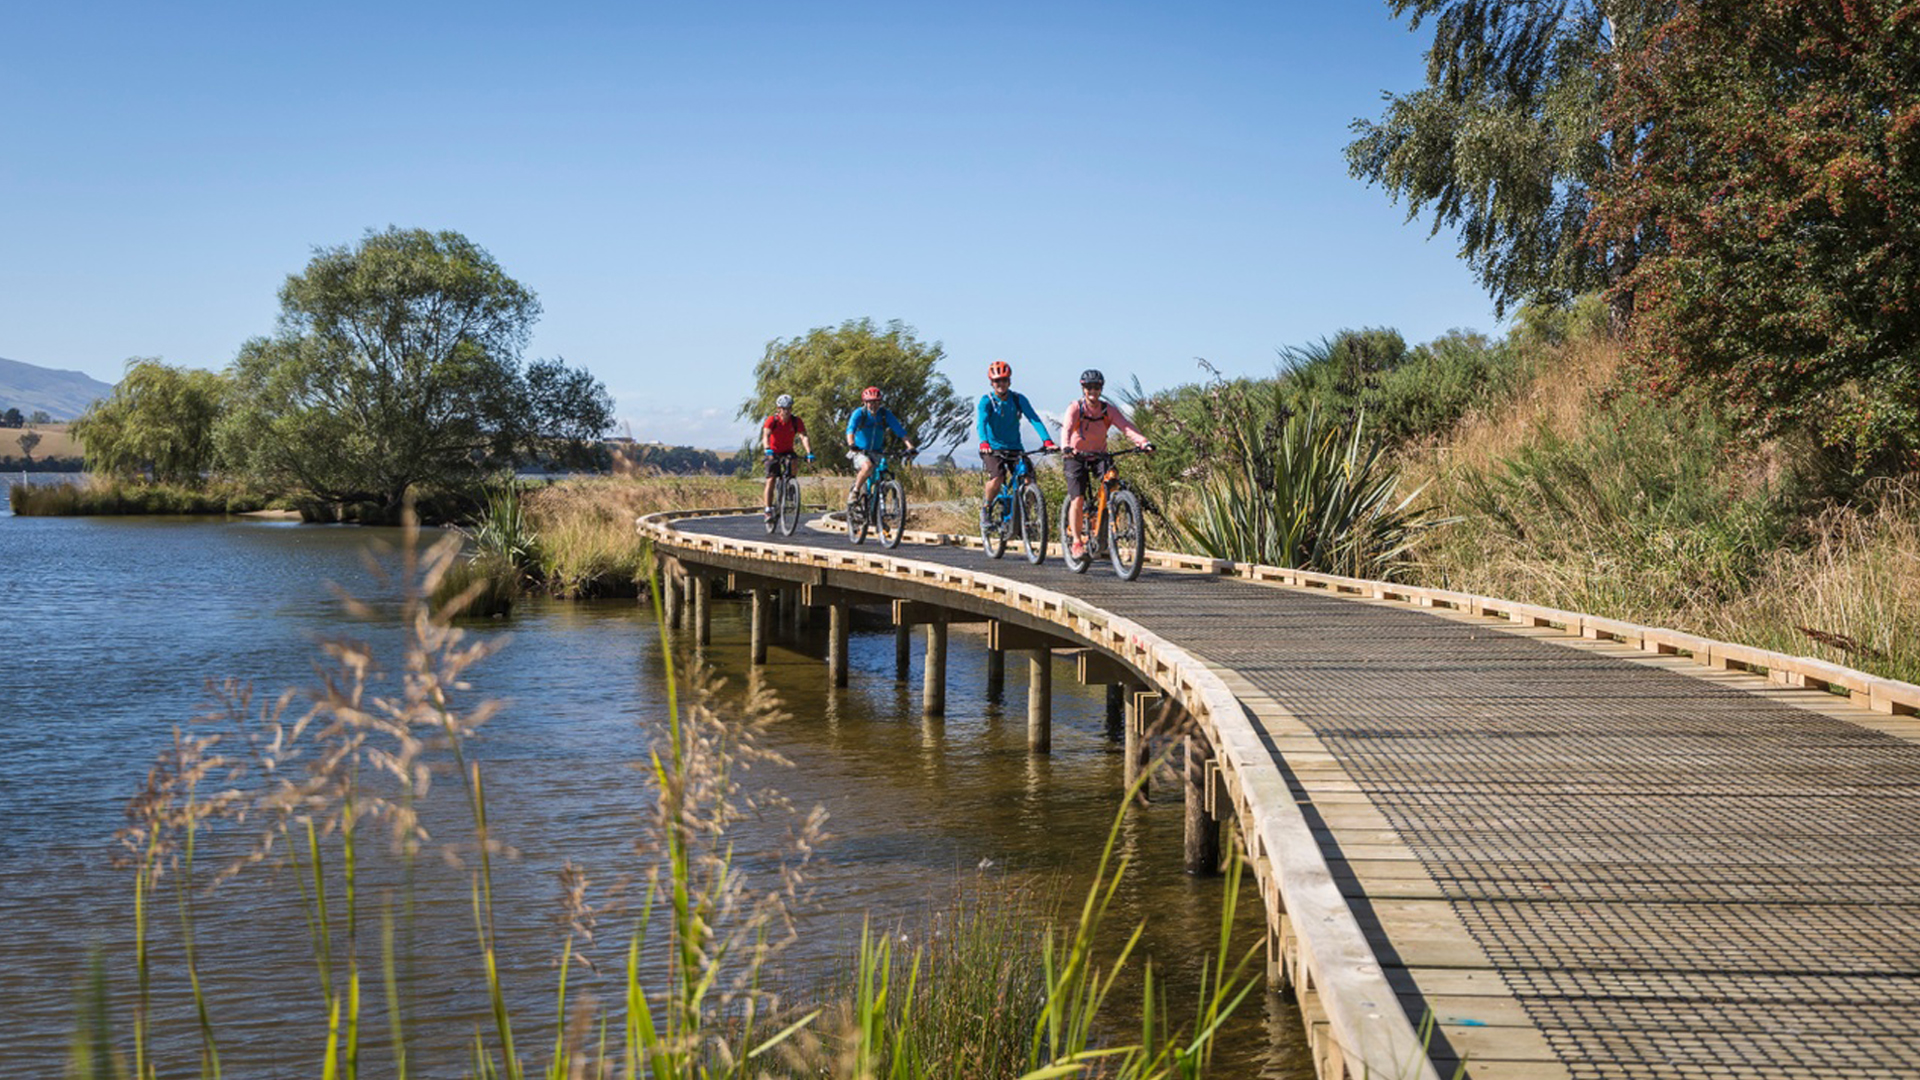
1078,469
991,461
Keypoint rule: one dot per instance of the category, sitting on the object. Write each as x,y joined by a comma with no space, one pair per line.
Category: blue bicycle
882,503
1018,508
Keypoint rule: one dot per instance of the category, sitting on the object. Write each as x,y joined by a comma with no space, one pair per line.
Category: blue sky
1127,186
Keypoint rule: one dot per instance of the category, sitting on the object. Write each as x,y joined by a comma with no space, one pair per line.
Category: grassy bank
104,496
1582,492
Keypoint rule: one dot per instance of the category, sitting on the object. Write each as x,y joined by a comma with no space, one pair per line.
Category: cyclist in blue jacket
997,424
867,431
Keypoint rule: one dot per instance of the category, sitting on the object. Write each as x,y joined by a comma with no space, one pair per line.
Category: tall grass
587,545
322,787
113,496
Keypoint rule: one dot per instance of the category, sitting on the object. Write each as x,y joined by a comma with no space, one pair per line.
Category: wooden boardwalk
1580,857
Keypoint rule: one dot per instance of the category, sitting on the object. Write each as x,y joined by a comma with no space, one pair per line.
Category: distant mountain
63,395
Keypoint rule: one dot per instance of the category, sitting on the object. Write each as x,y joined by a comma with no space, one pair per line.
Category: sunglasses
1001,382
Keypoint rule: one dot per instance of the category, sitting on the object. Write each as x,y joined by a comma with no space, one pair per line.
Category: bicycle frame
1094,514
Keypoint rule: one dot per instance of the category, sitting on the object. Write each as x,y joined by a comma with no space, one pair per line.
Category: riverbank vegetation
321,799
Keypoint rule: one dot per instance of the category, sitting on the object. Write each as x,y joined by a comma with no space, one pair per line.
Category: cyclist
777,433
1085,433
996,423
866,431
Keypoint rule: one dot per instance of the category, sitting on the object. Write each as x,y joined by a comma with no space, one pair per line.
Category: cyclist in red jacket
776,437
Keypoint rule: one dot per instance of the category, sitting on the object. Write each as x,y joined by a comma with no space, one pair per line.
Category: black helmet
1092,377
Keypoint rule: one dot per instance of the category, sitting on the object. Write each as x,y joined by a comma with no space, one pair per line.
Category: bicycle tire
893,513
1126,535
772,519
857,519
1033,521
993,531
789,495
1079,565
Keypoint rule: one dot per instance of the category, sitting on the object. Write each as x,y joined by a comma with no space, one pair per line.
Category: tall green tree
1508,137
826,369
12,418
397,363
1777,194
159,419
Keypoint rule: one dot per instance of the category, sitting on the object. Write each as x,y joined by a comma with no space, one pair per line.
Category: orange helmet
999,369
871,393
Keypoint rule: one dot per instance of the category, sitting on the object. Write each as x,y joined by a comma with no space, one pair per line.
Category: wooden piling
702,609
1203,828
839,619
1116,711
996,673
1139,750
933,683
1039,701
902,649
762,600
673,593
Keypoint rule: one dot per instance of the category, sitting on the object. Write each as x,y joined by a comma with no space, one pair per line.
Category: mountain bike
786,495
882,503
1019,507
1113,524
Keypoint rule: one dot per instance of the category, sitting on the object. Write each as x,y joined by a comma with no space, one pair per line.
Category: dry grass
1851,597
54,442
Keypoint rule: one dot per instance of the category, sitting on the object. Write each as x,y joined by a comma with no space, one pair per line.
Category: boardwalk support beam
1203,828
839,623
762,600
702,609
1039,701
933,676
1139,750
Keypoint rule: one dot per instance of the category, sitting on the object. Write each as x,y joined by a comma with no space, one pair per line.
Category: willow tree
159,420
1508,137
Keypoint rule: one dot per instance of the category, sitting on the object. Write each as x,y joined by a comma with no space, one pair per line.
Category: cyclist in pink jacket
1084,430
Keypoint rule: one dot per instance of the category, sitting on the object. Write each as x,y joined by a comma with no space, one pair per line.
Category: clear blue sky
1062,185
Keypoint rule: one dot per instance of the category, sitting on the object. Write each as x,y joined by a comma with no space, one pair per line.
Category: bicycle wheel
772,517
1033,522
1077,565
789,495
993,528
893,513
1127,534
856,519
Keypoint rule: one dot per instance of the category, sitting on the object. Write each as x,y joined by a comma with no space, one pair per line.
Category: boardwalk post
673,594
933,682
1203,829
839,616
1116,711
902,649
702,609
1138,748
996,673
1039,700
762,623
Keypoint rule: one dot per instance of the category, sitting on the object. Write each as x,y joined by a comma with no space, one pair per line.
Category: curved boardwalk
1583,859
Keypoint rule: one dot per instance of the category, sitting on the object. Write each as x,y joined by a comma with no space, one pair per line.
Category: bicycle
1021,506
1113,524
786,495
882,504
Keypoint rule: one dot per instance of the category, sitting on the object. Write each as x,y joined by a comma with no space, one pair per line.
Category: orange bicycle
1113,524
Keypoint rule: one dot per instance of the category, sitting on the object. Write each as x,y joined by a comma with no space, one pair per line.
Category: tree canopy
1508,137
826,369
1776,192
159,419
396,363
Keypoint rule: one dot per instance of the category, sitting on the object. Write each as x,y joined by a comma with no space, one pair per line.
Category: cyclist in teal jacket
867,431
996,423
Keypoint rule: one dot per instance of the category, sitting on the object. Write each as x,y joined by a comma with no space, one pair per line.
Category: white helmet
784,401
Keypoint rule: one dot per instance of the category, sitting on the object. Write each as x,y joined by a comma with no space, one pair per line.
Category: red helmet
871,393
999,369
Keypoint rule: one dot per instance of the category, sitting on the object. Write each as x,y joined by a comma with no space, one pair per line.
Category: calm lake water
113,627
